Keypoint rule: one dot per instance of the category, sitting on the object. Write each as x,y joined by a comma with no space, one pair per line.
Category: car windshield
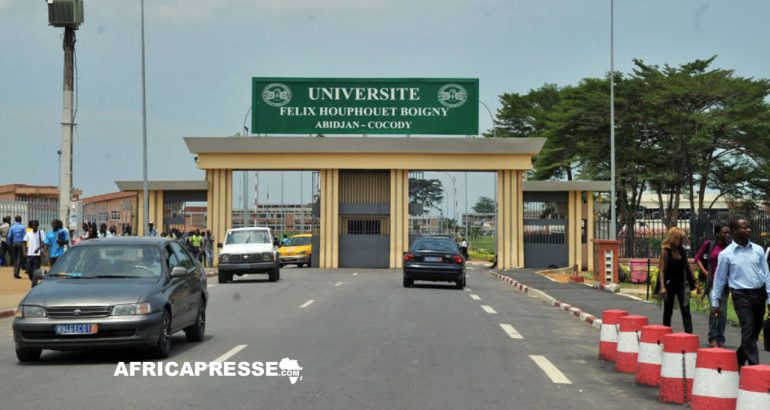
437,245
109,261
298,241
250,236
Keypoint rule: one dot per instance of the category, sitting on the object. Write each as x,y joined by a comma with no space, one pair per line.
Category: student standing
16,243
56,241
35,245
707,260
743,267
676,278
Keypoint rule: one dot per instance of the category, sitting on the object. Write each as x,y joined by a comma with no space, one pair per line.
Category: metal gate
364,219
545,229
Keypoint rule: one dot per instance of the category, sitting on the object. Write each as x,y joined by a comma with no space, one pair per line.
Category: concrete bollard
628,343
677,367
715,385
754,388
608,338
650,354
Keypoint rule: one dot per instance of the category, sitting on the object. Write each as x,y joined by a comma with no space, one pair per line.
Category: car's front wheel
273,274
195,332
224,277
28,354
460,284
163,346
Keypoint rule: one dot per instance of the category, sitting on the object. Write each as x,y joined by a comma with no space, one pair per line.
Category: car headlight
30,311
132,309
224,257
267,256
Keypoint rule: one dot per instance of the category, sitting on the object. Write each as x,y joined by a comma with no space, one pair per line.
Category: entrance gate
364,206
545,229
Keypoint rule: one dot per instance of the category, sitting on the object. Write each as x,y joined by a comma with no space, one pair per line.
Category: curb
576,312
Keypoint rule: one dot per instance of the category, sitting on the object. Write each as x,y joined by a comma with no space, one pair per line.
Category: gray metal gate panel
315,242
364,251
545,236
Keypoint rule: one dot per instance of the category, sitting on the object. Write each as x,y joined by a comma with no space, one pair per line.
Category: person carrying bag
676,278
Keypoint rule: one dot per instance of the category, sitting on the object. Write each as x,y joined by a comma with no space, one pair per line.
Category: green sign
448,106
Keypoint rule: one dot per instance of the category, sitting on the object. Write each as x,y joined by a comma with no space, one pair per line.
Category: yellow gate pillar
590,230
399,216
574,230
219,216
328,255
510,219
156,211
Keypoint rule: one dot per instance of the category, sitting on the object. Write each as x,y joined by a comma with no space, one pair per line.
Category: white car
248,250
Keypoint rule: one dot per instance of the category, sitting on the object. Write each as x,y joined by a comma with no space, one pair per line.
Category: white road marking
475,297
338,283
468,290
230,353
489,309
211,285
306,304
511,331
355,273
550,370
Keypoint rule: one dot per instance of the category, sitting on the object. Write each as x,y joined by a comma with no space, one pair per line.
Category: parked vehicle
248,250
435,259
114,292
297,250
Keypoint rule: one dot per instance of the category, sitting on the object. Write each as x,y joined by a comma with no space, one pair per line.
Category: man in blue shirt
56,241
743,266
15,241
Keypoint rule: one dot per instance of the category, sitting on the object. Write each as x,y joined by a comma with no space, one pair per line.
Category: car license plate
433,259
77,329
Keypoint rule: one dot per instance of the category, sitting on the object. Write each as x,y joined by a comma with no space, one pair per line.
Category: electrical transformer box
65,13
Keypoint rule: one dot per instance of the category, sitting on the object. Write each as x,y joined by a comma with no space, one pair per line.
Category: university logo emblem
452,95
276,94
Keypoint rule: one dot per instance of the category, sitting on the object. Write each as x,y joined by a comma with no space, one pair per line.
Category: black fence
646,237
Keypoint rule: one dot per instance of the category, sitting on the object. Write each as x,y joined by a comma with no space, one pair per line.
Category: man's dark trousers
17,254
750,307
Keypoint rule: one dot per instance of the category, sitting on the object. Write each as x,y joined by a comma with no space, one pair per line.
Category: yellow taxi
296,250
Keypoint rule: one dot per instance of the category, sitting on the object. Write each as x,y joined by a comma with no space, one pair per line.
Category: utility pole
68,125
69,15
613,194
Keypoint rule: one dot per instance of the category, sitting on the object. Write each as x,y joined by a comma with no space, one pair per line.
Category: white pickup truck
248,250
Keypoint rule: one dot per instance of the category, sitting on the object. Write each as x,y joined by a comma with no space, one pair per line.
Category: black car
436,259
114,292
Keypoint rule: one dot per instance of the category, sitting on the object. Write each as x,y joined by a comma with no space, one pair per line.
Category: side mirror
178,271
219,245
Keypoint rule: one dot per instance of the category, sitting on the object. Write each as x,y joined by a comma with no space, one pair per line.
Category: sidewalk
594,301
11,290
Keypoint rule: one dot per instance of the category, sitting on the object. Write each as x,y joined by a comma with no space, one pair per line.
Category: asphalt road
364,342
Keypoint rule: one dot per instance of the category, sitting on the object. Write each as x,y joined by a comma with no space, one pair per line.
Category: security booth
559,223
364,198
166,201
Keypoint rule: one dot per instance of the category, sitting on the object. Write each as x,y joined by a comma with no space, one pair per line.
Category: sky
201,55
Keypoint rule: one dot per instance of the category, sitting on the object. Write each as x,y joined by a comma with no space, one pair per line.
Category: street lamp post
613,199
146,199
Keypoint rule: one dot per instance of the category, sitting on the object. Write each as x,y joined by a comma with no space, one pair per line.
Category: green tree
680,131
484,205
427,192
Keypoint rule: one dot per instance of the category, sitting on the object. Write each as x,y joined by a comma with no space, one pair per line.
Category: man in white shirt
35,240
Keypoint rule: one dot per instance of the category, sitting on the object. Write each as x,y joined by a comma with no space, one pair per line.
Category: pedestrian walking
743,267
676,278
464,248
707,260
152,231
5,250
91,233
57,241
15,240
35,245
103,232
208,247
196,244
